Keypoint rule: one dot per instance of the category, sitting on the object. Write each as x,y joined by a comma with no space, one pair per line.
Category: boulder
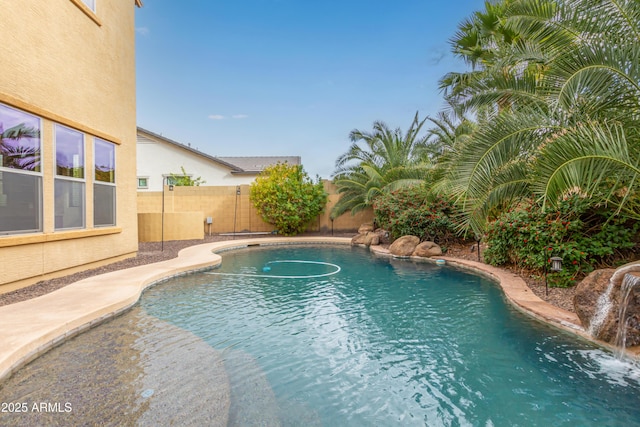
371,238
427,249
365,228
585,301
404,246
588,308
358,239
383,235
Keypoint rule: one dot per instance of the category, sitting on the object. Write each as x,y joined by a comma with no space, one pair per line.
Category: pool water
344,339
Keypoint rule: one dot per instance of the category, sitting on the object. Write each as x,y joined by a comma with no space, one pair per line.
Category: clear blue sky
290,77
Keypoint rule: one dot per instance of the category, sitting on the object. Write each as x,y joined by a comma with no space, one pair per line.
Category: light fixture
556,266
556,263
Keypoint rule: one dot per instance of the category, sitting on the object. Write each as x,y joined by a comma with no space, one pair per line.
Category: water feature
381,342
629,283
602,310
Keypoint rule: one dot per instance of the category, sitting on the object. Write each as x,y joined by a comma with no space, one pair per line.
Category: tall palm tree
480,41
379,161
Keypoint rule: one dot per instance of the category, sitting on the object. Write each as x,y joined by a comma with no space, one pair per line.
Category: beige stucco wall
78,69
221,204
177,226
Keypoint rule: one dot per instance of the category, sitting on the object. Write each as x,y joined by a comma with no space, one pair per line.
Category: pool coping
30,328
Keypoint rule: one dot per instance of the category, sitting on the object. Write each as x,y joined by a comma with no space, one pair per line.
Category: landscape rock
383,235
586,304
372,238
358,239
404,246
365,228
369,238
586,298
427,249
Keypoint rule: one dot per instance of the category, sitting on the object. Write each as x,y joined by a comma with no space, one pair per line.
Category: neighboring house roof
258,163
238,165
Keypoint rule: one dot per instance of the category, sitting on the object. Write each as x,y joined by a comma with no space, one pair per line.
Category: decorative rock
383,235
586,303
369,238
358,239
372,238
404,246
365,228
427,249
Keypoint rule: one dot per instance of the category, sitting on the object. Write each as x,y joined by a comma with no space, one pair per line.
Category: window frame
98,182
87,10
146,180
72,180
36,173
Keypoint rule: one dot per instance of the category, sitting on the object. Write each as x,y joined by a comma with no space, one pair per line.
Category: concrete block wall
229,212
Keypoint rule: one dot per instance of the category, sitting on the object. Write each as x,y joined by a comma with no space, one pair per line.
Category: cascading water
629,282
603,307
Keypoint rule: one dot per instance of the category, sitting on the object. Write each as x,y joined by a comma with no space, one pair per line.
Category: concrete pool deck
29,328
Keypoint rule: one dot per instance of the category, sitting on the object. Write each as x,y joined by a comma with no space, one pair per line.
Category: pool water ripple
383,342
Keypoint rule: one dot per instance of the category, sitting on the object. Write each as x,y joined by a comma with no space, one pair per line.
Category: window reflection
69,152
19,140
105,161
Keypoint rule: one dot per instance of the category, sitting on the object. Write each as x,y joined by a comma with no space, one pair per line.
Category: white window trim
140,186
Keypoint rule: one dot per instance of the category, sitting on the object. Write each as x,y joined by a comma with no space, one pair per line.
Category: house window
104,189
143,182
91,4
20,174
70,176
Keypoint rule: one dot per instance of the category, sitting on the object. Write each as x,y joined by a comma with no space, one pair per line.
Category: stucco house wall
69,67
158,159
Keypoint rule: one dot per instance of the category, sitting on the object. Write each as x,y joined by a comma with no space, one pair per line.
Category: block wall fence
186,210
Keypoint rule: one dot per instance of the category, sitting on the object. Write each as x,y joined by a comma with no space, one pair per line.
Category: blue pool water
389,342
347,339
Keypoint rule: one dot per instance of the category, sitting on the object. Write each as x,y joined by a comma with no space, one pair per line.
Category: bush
415,211
287,198
585,237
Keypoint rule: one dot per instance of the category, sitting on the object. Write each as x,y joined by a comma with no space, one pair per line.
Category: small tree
185,180
287,198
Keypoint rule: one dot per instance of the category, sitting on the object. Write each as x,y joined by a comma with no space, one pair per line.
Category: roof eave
233,168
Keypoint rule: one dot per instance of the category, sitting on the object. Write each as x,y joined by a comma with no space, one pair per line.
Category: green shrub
287,198
582,235
415,211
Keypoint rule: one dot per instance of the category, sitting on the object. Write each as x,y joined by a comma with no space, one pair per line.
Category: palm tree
480,41
575,117
379,161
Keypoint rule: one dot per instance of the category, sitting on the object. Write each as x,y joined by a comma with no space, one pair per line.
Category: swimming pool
377,342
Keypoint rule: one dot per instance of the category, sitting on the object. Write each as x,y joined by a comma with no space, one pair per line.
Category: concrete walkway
29,328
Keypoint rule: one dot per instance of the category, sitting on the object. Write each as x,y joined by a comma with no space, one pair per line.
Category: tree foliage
287,198
563,102
378,162
185,180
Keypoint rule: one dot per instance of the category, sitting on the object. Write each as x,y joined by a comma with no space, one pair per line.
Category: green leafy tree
185,180
287,198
